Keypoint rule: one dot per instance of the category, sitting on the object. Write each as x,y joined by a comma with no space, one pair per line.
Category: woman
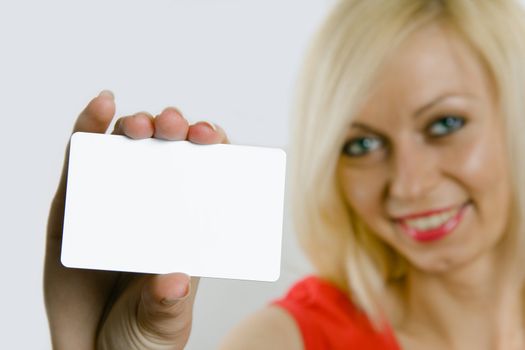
407,199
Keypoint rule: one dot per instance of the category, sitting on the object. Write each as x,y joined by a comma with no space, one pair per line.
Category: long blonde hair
339,70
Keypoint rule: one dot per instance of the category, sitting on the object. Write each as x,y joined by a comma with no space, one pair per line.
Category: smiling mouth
432,225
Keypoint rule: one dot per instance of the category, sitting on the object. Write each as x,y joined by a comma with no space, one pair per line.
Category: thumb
97,115
164,312
95,118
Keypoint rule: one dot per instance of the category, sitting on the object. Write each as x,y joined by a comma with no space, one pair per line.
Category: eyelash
452,122
347,147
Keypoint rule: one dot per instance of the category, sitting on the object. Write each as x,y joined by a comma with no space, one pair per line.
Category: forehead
432,62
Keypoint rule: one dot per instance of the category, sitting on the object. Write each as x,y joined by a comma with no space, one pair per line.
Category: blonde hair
339,70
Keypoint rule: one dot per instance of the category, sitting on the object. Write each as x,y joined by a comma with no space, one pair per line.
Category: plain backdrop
231,62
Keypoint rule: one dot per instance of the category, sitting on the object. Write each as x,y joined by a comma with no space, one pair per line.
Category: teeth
430,222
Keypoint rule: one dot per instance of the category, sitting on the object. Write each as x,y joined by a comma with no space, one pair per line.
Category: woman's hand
90,309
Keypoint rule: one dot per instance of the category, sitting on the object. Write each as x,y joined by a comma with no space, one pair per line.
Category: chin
440,263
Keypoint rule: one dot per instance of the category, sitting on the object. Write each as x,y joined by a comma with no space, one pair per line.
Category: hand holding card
90,309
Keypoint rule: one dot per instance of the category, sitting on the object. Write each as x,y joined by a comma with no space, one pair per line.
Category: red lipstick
434,233
425,213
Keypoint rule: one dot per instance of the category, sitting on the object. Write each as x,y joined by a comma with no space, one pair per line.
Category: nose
414,172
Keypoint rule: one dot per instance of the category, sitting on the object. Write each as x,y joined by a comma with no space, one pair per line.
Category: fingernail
211,125
107,93
179,295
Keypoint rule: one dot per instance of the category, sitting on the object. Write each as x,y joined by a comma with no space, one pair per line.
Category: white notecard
157,206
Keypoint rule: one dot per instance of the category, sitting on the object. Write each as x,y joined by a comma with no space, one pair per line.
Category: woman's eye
361,146
445,125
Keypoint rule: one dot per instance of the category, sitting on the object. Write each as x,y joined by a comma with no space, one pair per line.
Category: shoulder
303,311
314,314
327,318
270,328
315,300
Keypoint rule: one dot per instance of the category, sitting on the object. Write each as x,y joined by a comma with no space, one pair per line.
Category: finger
171,125
137,126
167,289
117,129
97,115
95,118
165,307
206,133
154,312
70,292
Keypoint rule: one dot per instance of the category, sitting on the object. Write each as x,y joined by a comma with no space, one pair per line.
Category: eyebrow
418,111
365,127
434,102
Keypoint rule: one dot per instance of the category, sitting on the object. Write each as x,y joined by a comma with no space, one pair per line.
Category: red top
328,319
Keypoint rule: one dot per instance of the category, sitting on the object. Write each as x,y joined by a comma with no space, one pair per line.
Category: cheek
482,164
362,190
482,168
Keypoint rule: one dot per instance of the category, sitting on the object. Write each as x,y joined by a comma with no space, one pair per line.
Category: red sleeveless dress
328,320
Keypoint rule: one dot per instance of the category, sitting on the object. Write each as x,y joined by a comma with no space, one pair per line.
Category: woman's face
424,163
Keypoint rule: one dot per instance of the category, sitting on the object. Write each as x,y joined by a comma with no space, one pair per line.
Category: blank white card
155,206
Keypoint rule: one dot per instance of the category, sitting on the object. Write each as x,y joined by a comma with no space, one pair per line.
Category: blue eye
361,146
446,125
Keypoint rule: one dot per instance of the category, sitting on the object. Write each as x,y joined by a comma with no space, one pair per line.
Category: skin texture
458,294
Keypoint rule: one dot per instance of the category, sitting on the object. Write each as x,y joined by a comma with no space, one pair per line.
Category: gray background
232,62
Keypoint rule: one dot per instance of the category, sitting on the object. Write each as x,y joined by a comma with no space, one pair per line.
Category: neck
476,306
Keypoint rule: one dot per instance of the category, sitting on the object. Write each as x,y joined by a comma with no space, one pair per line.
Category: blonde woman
407,163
